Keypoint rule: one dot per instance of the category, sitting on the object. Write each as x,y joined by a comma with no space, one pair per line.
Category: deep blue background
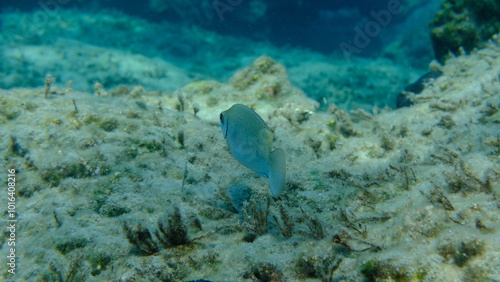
318,25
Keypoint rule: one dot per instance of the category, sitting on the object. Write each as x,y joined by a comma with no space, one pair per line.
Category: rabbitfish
249,141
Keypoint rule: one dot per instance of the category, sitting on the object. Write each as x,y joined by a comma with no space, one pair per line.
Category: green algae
109,124
203,87
55,175
381,270
263,66
9,109
70,244
461,254
98,262
463,23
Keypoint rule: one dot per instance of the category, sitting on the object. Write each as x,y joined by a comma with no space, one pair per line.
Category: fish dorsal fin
249,113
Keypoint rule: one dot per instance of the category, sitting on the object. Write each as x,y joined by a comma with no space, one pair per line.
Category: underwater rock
416,88
264,272
359,84
263,69
239,193
90,64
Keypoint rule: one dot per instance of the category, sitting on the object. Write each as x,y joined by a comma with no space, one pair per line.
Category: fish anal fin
277,171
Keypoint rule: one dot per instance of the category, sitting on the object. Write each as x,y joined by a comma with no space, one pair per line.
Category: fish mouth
226,126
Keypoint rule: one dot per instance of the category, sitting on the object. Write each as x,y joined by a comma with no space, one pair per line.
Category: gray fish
249,140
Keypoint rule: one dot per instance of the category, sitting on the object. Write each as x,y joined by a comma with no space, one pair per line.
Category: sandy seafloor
371,194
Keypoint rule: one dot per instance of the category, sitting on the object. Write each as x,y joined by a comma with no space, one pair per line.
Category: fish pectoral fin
277,171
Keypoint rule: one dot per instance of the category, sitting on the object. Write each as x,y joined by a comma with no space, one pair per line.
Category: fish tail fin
277,171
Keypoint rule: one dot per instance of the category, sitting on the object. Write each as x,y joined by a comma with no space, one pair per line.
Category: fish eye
221,118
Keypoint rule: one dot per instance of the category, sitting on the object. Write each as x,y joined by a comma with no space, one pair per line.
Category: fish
250,140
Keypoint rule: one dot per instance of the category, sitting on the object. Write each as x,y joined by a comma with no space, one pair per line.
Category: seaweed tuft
140,237
174,232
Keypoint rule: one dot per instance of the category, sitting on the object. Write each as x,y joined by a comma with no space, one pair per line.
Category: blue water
318,25
242,30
